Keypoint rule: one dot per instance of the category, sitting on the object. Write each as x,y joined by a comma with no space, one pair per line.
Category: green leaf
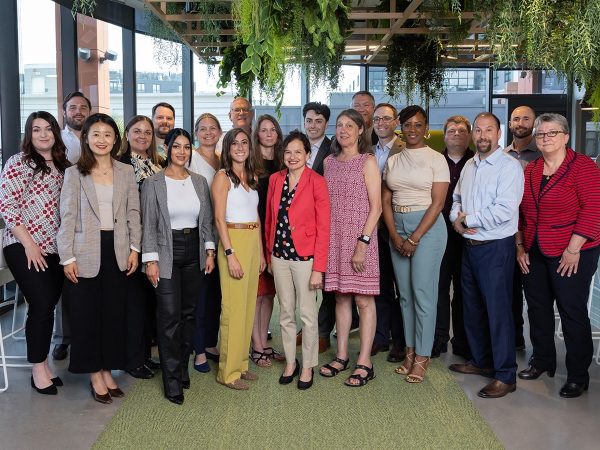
246,65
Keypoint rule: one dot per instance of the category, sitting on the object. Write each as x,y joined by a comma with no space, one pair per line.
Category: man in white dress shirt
76,109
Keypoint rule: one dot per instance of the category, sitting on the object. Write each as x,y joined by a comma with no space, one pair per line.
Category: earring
428,135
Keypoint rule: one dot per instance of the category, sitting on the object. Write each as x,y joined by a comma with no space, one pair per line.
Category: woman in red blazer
297,237
558,245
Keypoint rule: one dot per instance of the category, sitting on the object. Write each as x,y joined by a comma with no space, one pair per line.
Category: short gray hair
552,117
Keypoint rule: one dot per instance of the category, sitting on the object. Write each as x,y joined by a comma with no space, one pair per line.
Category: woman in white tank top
240,255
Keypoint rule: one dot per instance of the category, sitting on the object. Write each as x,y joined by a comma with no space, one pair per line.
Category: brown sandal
237,385
406,365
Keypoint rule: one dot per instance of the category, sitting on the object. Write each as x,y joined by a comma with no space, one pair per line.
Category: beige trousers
292,280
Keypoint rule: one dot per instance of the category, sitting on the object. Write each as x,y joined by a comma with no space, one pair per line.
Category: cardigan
568,204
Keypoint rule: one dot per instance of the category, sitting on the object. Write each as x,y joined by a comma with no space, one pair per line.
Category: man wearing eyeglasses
241,114
387,303
524,149
457,133
485,212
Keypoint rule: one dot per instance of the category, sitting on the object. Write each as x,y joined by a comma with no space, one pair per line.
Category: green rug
386,413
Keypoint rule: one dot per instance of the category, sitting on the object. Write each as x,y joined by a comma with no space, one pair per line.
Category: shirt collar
492,159
387,146
318,144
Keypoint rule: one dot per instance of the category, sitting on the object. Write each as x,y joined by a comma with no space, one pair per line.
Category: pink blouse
30,200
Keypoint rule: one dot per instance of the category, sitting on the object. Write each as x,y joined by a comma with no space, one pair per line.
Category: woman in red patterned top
29,194
558,245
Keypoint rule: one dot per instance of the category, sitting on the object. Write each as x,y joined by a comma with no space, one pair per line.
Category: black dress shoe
287,379
177,399
269,335
572,390
303,385
116,392
60,351
212,356
104,398
50,390
142,373
533,373
152,364
438,349
377,347
185,384
56,381
396,355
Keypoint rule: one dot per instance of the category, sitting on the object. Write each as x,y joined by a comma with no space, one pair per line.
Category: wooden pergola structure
372,30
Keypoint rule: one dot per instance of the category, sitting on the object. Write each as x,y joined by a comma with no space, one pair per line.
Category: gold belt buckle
253,226
404,209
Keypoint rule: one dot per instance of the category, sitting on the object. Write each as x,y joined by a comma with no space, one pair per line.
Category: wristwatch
229,252
365,238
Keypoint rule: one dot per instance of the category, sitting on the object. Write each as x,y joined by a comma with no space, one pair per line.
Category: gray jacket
79,233
158,237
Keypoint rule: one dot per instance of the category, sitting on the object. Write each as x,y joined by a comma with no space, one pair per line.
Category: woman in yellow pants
240,256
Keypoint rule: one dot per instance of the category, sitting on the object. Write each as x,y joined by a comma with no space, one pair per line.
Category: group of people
141,237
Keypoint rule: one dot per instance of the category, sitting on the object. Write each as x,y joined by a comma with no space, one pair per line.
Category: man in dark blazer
387,303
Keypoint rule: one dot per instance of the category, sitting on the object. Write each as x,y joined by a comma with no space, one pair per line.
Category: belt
186,231
473,242
408,209
243,226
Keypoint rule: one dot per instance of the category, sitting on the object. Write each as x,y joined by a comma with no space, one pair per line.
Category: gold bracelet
411,242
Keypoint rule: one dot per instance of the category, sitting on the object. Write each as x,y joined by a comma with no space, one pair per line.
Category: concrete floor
534,417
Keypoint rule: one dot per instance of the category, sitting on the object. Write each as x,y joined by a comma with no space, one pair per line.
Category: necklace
103,172
548,176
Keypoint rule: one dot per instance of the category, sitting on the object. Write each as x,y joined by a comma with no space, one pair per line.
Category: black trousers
387,303
175,313
97,310
42,291
141,319
208,313
450,272
517,306
542,287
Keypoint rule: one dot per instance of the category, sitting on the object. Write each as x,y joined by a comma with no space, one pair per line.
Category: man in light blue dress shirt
486,212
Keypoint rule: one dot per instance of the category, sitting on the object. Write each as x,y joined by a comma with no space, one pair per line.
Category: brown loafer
237,385
249,376
497,389
471,369
324,344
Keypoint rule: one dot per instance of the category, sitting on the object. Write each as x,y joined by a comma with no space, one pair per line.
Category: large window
37,57
158,75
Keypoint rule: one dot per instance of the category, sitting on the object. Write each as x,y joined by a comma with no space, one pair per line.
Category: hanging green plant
414,65
85,7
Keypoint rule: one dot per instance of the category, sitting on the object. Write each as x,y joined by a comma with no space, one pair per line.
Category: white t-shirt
183,203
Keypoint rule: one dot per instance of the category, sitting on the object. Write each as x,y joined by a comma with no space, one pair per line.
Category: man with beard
524,149
163,118
76,108
486,213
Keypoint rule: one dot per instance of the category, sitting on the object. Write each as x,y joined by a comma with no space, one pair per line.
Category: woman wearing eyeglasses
414,191
558,244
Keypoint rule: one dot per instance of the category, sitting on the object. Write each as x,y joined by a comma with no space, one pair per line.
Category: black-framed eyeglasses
551,134
384,119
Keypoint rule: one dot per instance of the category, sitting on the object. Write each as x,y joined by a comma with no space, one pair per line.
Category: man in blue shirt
485,212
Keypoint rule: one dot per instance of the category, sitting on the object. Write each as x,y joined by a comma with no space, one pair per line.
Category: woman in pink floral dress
354,184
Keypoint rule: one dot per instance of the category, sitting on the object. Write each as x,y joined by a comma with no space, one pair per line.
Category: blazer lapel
306,174
559,174
87,183
160,186
397,147
197,182
323,150
119,188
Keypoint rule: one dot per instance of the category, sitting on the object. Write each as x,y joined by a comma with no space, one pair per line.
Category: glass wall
37,57
158,75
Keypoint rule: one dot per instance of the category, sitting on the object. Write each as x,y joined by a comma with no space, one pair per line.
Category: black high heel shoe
56,381
104,398
50,390
303,385
287,379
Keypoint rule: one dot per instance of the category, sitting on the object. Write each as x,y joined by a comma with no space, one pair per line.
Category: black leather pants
176,302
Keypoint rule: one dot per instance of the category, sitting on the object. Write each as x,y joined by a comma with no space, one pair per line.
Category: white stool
6,277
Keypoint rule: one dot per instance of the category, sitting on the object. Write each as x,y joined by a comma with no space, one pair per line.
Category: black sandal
260,359
362,380
333,371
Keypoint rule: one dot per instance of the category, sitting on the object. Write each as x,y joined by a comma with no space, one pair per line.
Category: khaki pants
292,285
238,303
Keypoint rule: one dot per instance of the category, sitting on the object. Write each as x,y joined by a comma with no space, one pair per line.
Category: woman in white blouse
414,189
206,163
178,249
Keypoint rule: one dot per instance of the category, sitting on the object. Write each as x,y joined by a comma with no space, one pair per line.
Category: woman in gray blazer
178,250
98,244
